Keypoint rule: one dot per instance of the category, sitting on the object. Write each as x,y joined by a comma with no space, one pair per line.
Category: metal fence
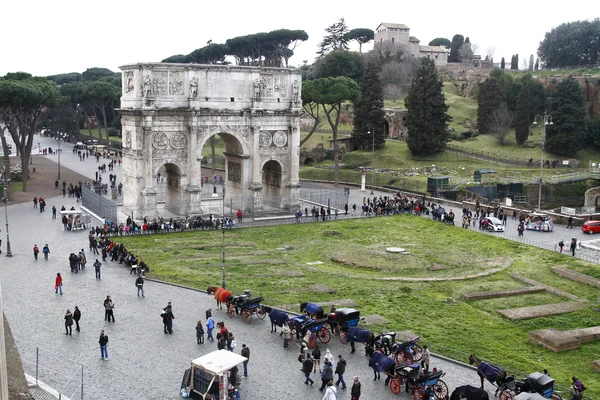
99,205
47,369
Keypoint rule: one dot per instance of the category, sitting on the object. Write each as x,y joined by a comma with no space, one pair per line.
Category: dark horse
494,374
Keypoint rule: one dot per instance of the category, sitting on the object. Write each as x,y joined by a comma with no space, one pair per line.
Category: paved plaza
143,361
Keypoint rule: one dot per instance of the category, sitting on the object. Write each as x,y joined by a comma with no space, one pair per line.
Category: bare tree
474,48
489,51
393,91
501,120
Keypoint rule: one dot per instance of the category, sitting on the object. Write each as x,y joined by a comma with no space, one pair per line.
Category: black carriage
295,324
246,307
404,353
469,392
344,319
535,382
421,384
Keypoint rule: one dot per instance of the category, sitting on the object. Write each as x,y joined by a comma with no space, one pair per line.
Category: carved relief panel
234,171
159,83
129,81
273,140
266,85
175,83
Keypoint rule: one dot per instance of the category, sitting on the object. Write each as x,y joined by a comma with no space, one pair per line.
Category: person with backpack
199,333
576,389
139,283
97,266
561,244
46,251
168,317
245,353
326,375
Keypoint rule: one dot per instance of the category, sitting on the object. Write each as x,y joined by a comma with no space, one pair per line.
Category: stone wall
590,86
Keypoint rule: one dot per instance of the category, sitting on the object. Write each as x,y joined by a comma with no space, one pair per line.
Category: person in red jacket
58,283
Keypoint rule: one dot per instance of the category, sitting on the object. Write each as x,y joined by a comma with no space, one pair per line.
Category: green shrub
113,132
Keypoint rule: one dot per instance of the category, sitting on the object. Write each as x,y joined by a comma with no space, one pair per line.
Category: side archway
272,179
170,184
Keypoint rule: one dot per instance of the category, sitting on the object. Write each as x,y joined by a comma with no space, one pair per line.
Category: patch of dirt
231,246
375,319
437,267
331,233
273,261
321,288
294,273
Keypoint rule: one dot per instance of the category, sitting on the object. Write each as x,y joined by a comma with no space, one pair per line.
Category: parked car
591,227
494,224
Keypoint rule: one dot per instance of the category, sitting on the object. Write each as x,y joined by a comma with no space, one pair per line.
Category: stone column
256,186
147,203
192,194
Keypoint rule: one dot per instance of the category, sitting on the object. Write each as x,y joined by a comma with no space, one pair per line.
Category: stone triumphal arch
169,112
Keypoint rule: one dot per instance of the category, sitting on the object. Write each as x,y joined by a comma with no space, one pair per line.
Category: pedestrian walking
103,341
58,284
316,353
307,367
329,357
109,307
46,251
239,216
340,370
199,333
53,212
168,318
36,251
210,325
286,332
68,322
561,244
573,246
139,283
35,201
303,351
97,266
355,391
221,342
76,318
425,357
327,374
245,353
570,223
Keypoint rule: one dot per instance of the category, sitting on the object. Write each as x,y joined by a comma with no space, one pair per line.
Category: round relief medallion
178,141
280,139
265,139
160,141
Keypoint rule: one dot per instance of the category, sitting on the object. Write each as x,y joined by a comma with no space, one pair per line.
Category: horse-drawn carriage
221,295
422,385
344,319
245,306
535,382
404,353
318,330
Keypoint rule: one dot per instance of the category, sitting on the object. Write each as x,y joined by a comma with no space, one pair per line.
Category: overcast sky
47,38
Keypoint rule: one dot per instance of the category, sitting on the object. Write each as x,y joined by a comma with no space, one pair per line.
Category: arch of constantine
170,111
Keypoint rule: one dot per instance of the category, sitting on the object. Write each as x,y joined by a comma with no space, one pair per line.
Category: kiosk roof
219,361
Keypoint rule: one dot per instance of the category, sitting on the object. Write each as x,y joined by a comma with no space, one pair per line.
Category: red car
591,227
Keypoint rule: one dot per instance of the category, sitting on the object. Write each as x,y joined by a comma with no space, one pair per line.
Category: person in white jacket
330,392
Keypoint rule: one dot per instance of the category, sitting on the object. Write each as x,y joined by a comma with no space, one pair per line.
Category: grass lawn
85,133
356,265
460,108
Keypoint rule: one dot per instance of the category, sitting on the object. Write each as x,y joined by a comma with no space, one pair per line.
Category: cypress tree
490,98
566,135
368,110
457,41
427,119
522,115
502,63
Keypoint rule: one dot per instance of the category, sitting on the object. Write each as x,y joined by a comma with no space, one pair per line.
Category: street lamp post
546,120
372,158
224,282
5,182
58,136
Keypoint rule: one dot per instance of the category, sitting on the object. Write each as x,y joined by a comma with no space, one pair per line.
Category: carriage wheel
417,353
396,385
324,335
506,395
440,389
419,393
554,395
312,342
231,311
343,337
260,313
404,358
246,316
